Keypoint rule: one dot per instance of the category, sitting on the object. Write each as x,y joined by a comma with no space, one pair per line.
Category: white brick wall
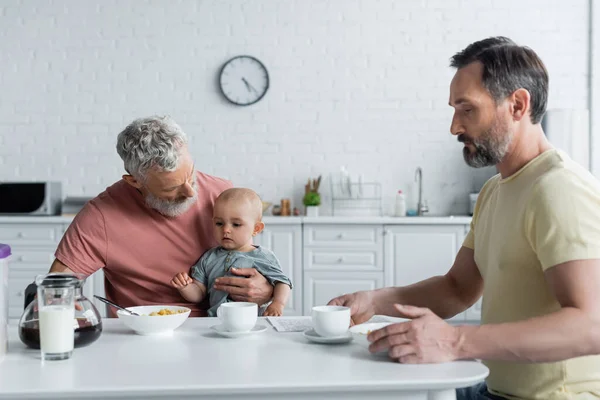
360,83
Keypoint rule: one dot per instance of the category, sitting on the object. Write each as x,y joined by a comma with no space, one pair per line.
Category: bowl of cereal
361,331
154,320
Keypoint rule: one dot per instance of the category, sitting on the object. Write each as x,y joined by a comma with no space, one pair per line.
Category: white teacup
238,316
330,321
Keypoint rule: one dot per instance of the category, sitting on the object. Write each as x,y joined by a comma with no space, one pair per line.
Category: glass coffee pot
87,323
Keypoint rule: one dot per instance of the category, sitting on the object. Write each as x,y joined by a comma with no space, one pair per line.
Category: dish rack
349,198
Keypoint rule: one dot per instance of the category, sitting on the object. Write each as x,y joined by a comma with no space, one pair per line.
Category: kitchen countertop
196,363
272,220
426,220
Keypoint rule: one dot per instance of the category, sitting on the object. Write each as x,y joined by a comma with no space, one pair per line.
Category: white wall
360,83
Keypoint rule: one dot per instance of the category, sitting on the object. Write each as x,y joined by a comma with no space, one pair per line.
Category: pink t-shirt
139,248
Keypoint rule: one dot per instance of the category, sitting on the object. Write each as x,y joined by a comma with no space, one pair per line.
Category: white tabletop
195,362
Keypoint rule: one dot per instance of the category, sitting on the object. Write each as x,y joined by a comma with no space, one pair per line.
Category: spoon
110,303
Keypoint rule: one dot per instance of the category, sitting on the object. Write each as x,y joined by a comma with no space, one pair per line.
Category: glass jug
87,324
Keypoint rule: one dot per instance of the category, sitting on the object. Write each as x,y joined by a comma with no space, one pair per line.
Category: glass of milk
56,310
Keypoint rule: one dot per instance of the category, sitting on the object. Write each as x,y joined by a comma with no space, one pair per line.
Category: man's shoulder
118,201
565,176
212,183
112,194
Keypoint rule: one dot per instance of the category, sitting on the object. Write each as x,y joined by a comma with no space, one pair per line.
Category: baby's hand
181,280
274,310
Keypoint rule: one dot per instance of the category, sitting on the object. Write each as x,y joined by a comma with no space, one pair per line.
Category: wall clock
244,80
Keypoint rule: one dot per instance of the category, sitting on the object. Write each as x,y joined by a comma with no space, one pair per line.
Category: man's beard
171,208
490,148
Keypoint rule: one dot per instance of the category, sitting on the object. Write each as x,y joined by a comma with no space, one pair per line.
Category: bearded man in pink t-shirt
152,224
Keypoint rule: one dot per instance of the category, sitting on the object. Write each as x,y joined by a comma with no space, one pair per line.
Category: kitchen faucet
421,205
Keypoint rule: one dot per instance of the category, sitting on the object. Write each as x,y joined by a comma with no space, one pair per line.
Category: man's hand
249,286
360,303
425,339
275,309
181,280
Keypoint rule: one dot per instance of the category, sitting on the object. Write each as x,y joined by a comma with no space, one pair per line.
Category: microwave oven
30,198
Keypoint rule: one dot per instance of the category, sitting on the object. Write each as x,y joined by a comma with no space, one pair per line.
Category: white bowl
153,325
361,331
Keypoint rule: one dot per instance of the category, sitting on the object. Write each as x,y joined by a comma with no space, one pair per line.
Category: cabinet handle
20,294
20,235
386,232
341,260
340,236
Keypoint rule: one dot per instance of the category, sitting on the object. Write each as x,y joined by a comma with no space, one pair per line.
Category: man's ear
520,104
132,181
258,228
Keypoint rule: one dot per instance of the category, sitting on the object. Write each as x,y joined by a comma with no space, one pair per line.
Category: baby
237,218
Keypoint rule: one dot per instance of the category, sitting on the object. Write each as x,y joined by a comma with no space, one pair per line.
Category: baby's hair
243,195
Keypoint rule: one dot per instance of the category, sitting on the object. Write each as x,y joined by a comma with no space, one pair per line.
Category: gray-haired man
153,223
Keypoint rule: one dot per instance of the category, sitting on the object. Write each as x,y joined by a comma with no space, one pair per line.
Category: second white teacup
330,321
238,316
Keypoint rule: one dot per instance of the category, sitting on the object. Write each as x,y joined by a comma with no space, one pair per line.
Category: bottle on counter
400,210
286,209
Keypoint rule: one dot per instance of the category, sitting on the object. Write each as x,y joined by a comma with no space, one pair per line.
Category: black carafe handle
30,293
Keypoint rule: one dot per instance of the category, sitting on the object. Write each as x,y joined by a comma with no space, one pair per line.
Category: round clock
244,80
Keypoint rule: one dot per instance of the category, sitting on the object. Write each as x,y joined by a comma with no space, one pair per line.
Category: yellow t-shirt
545,214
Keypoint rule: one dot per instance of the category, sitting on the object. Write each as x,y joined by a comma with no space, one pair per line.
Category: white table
196,363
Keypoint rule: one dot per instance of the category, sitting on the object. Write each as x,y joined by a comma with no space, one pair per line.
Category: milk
56,329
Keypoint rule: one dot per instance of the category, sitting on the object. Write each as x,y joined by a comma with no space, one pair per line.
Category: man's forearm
567,333
437,293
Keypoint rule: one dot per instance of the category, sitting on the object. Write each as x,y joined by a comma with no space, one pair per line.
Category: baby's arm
191,289
281,293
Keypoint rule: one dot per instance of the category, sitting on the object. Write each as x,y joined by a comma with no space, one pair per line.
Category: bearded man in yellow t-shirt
533,250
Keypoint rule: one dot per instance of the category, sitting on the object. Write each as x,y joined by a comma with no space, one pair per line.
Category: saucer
221,331
311,335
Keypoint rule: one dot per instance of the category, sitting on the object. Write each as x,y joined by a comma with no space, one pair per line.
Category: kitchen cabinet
320,287
340,259
32,247
417,252
473,314
33,244
286,242
324,257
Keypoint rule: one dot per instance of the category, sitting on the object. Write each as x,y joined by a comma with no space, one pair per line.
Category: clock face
244,80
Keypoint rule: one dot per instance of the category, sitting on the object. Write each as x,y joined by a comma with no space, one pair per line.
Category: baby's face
234,224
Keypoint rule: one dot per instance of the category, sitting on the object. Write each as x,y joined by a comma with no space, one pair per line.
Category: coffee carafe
87,323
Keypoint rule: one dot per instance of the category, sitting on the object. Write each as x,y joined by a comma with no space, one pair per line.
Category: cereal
166,311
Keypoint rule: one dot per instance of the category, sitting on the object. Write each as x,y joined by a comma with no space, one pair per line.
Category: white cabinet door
473,314
343,236
417,252
320,287
26,263
94,285
286,242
